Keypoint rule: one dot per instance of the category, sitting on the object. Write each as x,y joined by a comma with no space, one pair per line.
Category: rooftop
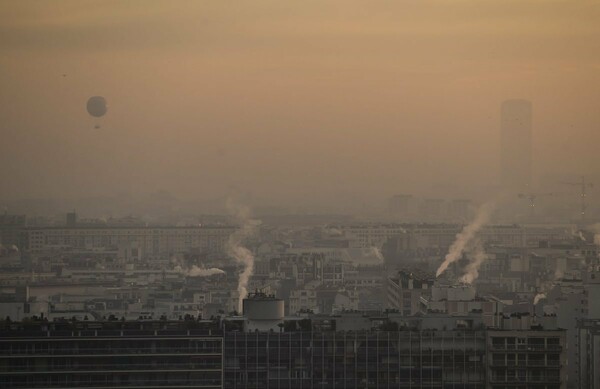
114,328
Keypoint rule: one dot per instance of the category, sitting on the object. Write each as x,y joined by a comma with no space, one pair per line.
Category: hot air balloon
96,106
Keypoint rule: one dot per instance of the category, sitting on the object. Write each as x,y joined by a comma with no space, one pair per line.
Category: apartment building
111,355
355,359
408,293
352,350
133,241
424,236
588,344
526,359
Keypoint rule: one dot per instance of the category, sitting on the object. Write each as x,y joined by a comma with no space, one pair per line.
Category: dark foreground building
526,359
363,359
111,355
196,354
588,339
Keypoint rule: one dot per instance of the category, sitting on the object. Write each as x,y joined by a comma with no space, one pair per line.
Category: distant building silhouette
516,143
71,219
401,206
460,209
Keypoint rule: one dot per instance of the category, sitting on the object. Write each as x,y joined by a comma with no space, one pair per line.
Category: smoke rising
558,273
377,253
538,297
332,231
477,257
546,286
466,236
595,228
577,234
196,271
236,249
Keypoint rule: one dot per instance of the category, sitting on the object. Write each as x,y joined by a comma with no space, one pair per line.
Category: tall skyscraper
516,144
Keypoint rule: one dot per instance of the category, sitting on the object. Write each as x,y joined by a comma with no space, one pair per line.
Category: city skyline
279,194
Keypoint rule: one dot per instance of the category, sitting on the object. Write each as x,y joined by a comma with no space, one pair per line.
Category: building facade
10,227
526,359
425,236
135,242
325,352
408,293
588,342
355,359
111,355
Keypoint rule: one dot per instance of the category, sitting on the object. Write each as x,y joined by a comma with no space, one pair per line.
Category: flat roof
104,227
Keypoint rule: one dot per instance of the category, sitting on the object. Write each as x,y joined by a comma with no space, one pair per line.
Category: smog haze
293,103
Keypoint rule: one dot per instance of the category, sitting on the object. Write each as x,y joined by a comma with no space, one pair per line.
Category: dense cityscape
239,303
277,194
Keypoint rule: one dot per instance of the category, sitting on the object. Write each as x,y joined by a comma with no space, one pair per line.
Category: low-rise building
407,292
303,300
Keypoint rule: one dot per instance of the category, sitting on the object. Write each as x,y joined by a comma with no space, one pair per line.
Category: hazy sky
293,101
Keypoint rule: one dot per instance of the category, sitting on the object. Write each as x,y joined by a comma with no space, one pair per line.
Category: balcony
527,347
524,380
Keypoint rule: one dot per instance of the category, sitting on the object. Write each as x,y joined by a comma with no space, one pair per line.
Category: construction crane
583,193
532,197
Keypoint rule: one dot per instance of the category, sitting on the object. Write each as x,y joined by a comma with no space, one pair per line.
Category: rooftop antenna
583,185
532,197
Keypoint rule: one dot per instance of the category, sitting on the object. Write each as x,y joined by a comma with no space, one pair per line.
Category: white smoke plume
196,271
377,253
558,274
547,286
477,256
10,248
538,297
466,236
577,234
332,231
236,249
595,228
